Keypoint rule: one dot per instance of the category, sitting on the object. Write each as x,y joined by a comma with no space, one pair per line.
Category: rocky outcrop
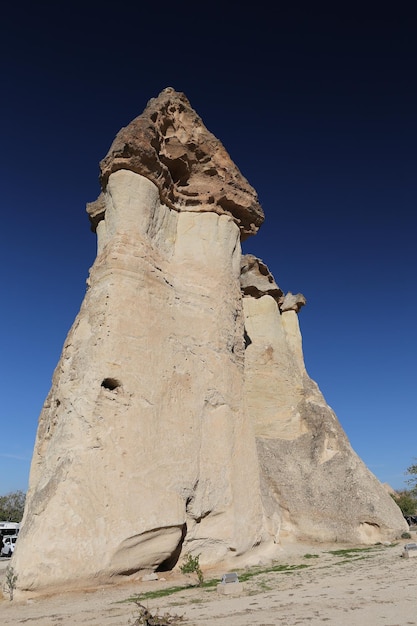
144,448
160,434
314,485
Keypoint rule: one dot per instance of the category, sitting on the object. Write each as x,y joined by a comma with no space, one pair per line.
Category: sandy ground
373,587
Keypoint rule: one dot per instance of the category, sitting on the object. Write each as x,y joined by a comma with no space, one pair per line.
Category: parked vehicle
9,528
9,542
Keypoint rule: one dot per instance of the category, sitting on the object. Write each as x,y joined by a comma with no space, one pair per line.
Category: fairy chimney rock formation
144,448
314,486
161,434
169,145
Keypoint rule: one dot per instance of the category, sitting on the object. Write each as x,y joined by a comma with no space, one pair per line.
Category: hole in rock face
178,168
110,383
172,560
247,339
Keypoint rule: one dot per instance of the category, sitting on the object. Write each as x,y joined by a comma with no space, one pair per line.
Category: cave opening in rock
172,560
110,383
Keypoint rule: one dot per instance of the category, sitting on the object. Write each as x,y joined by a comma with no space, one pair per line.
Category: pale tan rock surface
161,435
314,485
144,447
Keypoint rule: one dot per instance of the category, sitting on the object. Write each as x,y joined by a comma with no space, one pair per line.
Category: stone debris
409,550
230,585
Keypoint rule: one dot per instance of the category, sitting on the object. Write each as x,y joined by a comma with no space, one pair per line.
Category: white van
9,542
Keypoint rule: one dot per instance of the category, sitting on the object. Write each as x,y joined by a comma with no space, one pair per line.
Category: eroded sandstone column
314,486
144,448
181,417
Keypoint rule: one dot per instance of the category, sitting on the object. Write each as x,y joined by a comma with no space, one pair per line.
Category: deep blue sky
318,110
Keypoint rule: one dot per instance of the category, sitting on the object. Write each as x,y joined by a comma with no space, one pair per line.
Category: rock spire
169,145
180,416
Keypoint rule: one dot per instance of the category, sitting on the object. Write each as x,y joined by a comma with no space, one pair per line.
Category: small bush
10,582
406,536
407,501
191,565
146,618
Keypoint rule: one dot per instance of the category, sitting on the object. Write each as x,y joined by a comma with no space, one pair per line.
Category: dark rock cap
169,145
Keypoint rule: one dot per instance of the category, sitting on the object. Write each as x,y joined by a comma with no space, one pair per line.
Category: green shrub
191,565
407,502
10,581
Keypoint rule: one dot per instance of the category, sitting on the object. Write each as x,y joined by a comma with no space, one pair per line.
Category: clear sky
318,110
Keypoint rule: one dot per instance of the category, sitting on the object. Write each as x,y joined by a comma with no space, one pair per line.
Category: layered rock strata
160,435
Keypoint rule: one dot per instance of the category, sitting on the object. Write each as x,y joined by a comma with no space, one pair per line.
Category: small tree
12,506
412,471
191,565
10,581
407,502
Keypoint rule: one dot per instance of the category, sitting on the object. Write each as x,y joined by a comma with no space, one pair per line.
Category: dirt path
373,587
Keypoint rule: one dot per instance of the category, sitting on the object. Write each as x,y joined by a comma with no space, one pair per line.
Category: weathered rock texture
160,435
314,486
169,145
